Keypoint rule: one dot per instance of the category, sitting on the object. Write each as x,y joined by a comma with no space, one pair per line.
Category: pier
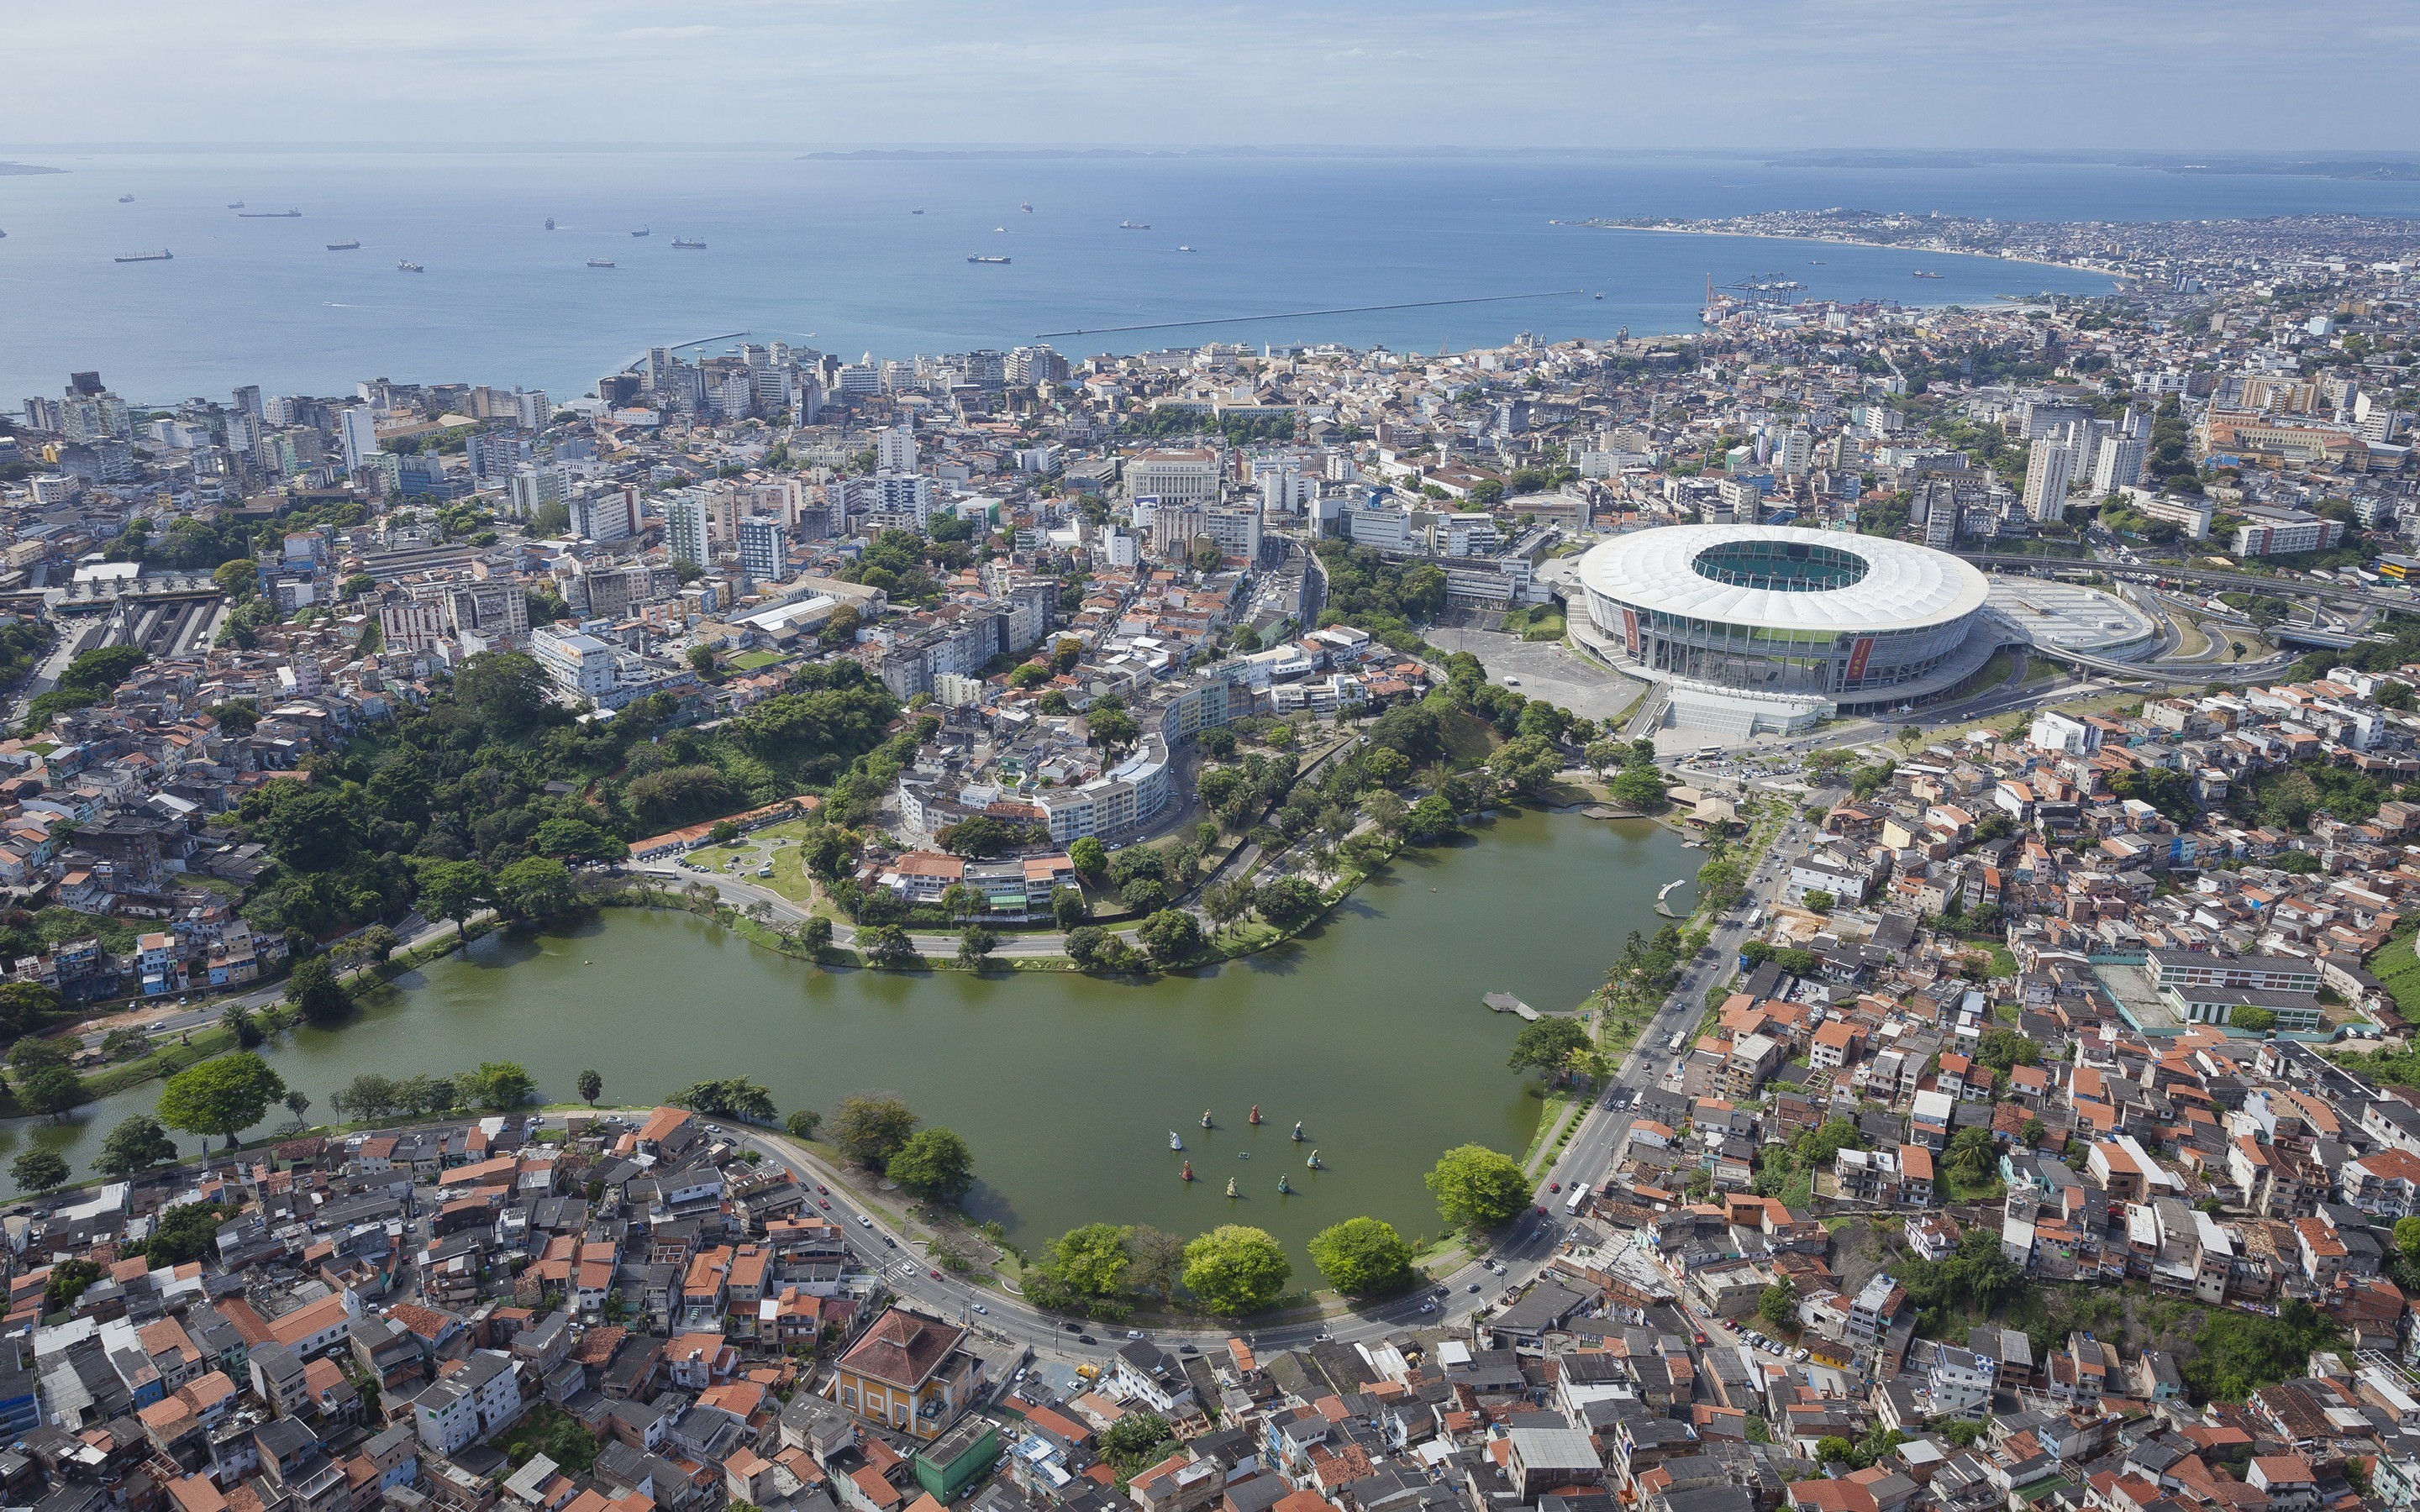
1507,1003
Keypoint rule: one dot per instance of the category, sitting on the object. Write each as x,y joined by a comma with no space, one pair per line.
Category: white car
864,1221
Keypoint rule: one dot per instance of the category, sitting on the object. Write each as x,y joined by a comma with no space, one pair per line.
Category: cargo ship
163,254
404,264
1134,226
688,244
343,246
601,262
268,215
643,231
979,258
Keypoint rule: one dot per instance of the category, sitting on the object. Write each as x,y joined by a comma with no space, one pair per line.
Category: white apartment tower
2049,469
897,450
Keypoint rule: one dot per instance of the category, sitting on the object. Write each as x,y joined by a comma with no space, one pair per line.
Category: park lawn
747,661
790,876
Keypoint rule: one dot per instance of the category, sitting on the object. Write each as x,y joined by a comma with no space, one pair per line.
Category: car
1187,1349
1512,682
1554,1186
824,1190
980,1308
1497,1266
1541,1210
824,1203
935,1274
1701,1338
1429,1307
1086,1338
714,1128
890,1243
1073,1328
864,1221
1473,1286
1134,1333
1799,1354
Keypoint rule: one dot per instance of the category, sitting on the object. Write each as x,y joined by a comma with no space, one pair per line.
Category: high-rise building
685,528
895,449
764,548
2118,462
1936,509
2049,468
247,401
606,513
357,433
534,411
1796,452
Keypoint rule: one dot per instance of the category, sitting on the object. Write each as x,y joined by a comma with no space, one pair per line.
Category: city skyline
1836,74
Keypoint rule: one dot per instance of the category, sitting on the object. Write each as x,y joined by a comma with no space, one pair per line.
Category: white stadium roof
1905,587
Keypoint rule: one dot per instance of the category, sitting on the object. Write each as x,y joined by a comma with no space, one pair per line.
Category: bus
1578,1198
1679,1037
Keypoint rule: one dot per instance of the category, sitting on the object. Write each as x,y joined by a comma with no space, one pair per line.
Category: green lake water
1369,1029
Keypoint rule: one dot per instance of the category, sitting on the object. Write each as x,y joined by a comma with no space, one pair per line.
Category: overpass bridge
2334,595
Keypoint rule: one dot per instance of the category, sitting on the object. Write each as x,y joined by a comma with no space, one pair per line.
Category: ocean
831,252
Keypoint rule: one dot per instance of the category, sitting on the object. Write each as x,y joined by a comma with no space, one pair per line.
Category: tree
591,1087
975,945
1090,858
507,688
2002,1049
1158,1259
1227,902
38,1170
1362,1257
1549,1044
1137,1439
452,889
1819,902
1638,788
1430,819
728,1096
1233,1269
886,945
535,887
2252,1017
137,1144
297,1104
50,1089
184,1233
1067,908
238,1020
23,1007
1778,1302
935,1164
1832,1449
1084,945
1170,936
871,1127
316,992
1287,900
225,1096
814,936
67,1280
803,1123
1477,1188
497,1084
1971,1156
1091,1260
1112,728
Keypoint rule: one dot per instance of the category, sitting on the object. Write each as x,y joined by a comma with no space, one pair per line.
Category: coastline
1844,241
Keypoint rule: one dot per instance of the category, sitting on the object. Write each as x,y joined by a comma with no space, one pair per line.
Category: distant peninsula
13,169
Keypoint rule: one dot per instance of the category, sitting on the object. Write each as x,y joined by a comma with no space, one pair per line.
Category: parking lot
1544,670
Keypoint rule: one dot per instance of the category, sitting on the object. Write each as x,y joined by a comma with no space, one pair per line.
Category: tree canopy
1362,1257
1477,1188
1233,1269
223,1095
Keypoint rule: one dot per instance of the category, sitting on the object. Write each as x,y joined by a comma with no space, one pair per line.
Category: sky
1749,74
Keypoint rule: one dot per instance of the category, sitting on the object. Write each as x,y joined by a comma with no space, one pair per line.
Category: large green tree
871,1127
1234,1268
1477,1188
1549,1045
535,887
934,1164
223,1095
137,1144
1362,1257
1091,1260
455,889
314,991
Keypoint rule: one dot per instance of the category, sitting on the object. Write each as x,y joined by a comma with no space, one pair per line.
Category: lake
1369,1030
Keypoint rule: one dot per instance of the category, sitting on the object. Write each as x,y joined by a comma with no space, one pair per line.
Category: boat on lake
1231,1188
1923,272
1186,1174
1255,1119
1027,205
982,260
1285,1190
236,206
643,231
1175,1143
1298,1131
1205,1119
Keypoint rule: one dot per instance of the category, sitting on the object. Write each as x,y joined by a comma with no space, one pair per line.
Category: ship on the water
550,222
1134,226
236,206
404,264
643,231
268,215
126,199
601,262
163,254
688,244
979,258
343,246
1924,272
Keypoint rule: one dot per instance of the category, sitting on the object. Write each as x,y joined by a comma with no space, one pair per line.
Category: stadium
1771,627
